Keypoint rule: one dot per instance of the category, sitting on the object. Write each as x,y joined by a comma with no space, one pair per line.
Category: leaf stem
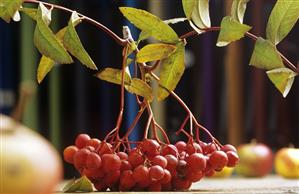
118,40
249,35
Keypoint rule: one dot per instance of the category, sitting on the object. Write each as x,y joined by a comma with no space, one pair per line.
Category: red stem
249,35
135,120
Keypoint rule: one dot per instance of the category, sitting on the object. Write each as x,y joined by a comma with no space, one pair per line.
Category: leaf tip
222,43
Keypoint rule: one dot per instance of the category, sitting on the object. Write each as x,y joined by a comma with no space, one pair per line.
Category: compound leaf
230,31
72,43
47,43
172,69
150,24
265,55
46,64
282,78
282,19
152,52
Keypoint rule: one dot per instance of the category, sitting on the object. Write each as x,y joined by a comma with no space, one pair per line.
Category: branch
105,29
249,35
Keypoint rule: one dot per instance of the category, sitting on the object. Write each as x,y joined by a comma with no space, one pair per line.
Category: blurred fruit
287,162
29,164
256,160
224,173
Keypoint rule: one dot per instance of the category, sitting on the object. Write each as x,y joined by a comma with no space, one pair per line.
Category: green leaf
113,76
31,12
141,88
152,52
188,6
8,8
172,69
46,64
151,24
72,43
265,55
230,31
200,14
238,9
44,67
282,78
143,35
82,184
47,43
282,19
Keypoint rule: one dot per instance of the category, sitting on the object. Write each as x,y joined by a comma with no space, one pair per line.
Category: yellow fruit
224,173
29,164
287,162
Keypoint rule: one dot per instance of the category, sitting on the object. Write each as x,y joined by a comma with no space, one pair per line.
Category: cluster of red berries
150,166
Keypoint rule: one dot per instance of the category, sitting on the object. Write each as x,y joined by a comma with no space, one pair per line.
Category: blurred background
235,101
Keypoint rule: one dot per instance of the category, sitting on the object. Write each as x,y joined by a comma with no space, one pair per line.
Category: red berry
125,165
181,146
233,159
167,186
100,185
197,162
193,148
112,177
150,147
172,162
94,142
82,140
80,158
209,148
159,160
194,176
218,160
104,148
69,152
169,149
156,173
111,162
155,187
228,147
141,174
122,155
90,148
182,168
180,184
209,172
166,178
127,180
93,161
135,158
94,173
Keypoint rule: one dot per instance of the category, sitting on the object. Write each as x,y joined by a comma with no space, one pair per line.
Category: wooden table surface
237,185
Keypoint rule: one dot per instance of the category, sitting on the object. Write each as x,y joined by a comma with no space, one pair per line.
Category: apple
224,173
256,160
286,162
28,162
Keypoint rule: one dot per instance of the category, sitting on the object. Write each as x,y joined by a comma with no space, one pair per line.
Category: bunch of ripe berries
149,166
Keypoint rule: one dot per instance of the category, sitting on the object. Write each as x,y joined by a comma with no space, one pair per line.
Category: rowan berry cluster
149,166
